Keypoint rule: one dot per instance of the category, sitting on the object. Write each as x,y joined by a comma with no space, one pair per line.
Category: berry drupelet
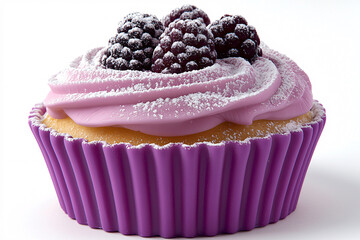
133,46
186,12
235,38
185,45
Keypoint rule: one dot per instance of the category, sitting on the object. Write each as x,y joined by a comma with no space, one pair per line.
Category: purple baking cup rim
39,110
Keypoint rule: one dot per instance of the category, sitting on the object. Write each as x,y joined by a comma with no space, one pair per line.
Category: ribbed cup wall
178,190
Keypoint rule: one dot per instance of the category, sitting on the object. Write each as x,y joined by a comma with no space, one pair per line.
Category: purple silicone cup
178,190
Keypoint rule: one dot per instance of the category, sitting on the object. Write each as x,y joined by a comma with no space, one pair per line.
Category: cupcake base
178,190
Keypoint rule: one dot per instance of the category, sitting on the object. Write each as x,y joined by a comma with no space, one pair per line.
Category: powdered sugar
231,90
318,112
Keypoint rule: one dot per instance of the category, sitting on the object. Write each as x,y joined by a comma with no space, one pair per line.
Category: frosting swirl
232,90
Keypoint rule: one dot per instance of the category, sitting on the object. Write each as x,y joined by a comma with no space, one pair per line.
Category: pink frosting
232,90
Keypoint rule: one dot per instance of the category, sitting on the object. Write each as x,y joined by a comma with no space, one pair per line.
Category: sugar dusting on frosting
318,113
159,104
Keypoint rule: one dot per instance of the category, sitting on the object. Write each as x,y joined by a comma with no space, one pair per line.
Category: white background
38,38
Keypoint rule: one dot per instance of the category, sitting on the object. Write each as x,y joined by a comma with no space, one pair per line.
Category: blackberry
233,37
185,45
186,12
132,47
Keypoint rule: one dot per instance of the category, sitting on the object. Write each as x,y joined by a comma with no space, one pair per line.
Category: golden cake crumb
224,132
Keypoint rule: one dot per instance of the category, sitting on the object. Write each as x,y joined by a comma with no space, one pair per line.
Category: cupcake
180,127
